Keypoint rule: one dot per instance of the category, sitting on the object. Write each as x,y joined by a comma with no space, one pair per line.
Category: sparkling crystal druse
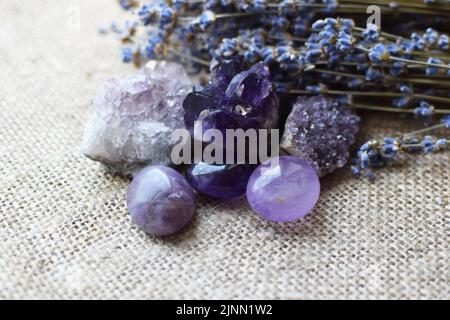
134,117
321,132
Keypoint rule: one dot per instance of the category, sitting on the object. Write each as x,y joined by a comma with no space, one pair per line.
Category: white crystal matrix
134,117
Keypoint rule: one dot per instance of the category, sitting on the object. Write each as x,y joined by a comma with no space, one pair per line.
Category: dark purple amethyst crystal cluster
234,99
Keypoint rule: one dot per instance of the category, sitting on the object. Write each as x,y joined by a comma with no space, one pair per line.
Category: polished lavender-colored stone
160,200
284,191
219,181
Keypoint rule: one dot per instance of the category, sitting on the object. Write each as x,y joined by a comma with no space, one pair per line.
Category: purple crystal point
252,85
224,70
321,132
219,181
195,103
160,200
252,91
284,191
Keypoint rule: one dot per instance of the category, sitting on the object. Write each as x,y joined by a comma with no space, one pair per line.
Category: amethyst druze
321,132
235,98
219,181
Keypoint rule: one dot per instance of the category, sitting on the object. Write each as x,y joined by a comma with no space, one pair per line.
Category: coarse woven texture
64,227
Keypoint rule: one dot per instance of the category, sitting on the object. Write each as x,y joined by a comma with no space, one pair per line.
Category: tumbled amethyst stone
160,200
285,191
247,99
219,181
320,131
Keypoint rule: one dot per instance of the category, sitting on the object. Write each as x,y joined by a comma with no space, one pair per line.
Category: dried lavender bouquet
312,47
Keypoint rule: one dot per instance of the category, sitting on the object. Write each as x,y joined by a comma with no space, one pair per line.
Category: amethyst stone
246,98
134,116
321,132
224,70
284,191
160,200
219,181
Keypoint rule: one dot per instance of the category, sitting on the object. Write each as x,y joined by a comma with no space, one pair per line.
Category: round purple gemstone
283,190
160,200
219,181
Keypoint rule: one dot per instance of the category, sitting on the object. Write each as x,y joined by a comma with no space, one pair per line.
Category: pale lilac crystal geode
134,117
321,132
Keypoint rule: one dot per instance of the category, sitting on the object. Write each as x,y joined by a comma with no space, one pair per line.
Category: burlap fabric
64,227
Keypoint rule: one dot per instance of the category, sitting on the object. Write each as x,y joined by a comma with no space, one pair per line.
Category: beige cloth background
64,227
